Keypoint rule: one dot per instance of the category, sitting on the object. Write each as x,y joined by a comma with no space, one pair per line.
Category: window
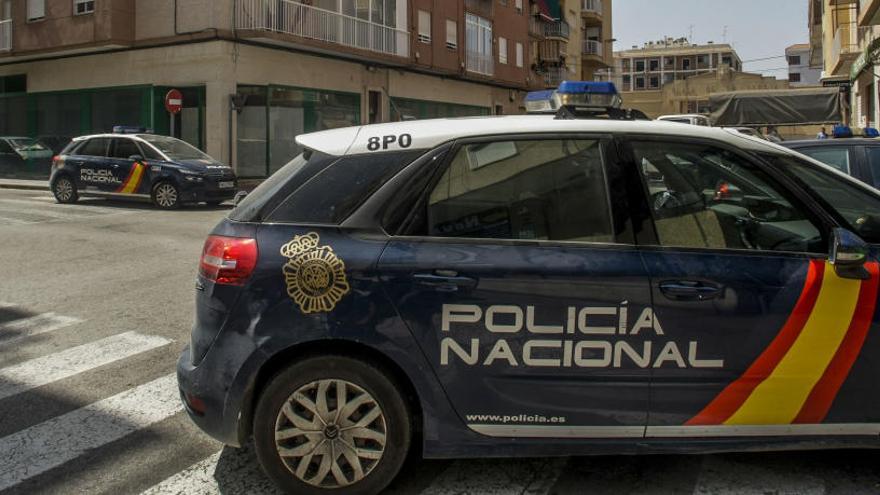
874,163
794,60
542,190
36,9
858,207
124,148
478,38
451,34
640,66
94,147
794,77
702,60
686,64
838,158
519,54
654,82
519,6
640,83
424,26
150,153
654,65
83,6
706,197
502,50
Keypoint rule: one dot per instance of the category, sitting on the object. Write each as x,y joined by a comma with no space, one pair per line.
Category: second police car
133,164
536,286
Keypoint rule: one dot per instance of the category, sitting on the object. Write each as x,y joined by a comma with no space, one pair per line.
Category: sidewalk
34,185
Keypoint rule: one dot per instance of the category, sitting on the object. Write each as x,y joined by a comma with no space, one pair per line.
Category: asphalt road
96,300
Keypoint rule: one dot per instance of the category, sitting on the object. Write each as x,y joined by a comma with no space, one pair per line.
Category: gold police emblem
315,276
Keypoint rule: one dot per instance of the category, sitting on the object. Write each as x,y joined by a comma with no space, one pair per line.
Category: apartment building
834,38
800,72
862,76
597,46
256,73
642,73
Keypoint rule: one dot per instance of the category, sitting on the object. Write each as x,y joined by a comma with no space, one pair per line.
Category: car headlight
191,176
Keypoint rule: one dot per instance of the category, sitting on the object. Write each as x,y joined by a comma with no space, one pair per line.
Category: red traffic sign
174,101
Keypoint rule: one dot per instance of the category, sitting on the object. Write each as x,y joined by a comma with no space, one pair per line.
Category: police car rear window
332,195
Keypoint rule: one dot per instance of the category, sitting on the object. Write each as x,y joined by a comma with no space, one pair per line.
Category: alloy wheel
166,195
63,190
330,433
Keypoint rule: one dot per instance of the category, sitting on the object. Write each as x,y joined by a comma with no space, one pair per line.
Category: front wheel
166,196
332,425
65,190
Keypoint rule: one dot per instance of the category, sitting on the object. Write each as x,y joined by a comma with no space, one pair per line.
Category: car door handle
689,290
444,281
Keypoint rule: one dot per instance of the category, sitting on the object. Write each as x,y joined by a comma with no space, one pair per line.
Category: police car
536,286
131,163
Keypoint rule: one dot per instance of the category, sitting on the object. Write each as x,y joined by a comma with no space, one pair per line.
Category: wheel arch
340,348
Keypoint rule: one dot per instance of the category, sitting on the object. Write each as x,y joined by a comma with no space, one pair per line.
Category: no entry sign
174,101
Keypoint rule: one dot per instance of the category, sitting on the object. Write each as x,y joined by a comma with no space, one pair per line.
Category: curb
26,187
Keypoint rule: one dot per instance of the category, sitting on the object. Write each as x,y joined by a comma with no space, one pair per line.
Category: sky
757,29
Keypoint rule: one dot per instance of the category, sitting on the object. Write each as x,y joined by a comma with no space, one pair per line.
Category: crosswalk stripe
50,444
7,305
47,369
533,477
16,330
197,479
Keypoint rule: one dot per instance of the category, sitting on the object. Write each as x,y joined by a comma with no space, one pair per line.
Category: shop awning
550,8
777,107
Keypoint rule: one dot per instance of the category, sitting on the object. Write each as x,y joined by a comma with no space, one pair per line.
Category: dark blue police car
132,164
535,286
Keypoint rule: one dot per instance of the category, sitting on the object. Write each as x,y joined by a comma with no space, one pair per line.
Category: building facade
834,38
597,46
800,72
256,73
643,73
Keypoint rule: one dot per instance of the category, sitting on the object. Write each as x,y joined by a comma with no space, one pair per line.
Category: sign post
173,104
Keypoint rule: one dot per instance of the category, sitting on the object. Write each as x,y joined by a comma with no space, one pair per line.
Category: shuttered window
36,9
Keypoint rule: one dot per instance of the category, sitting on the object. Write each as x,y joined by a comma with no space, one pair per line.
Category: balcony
483,8
304,21
536,27
557,30
591,11
553,76
593,50
480,63
844,49
6,35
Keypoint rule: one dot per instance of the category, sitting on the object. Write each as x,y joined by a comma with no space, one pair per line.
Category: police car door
127,165
518,278
750,316
95,170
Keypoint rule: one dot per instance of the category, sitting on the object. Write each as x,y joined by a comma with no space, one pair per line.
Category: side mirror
136,158
239,196
849,253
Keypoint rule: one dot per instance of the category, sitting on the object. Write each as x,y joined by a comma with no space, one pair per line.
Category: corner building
256,73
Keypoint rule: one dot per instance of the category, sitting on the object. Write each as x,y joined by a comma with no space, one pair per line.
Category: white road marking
197,479
47,369
16,330
227,471
50,444
7,305
489,477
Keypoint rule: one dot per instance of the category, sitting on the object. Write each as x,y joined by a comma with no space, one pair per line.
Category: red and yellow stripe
796,379
134,179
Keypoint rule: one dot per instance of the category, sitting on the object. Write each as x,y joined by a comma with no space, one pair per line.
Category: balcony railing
558,29
554,76
305,21
592,47
480,63
536,26
591,7
6,35
846,42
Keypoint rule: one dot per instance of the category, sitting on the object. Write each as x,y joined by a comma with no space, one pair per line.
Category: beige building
597,46
834,38
256,73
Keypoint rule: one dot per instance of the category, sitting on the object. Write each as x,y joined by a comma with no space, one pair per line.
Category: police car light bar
581,99
587,94
129,129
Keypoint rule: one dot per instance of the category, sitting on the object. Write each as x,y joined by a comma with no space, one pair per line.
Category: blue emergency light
842,131
129,129
591,95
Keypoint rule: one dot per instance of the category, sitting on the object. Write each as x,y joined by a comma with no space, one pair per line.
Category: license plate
226,185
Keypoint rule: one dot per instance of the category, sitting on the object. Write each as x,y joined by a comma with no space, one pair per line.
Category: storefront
407,108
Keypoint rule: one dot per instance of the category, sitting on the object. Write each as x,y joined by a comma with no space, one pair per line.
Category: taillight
228,260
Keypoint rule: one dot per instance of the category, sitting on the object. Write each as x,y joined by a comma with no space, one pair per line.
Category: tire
166,195
323,376
65,190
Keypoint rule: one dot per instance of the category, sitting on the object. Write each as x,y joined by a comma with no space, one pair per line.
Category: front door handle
689,290
444,281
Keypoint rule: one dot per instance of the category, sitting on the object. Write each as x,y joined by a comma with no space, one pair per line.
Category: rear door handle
689,290
444,281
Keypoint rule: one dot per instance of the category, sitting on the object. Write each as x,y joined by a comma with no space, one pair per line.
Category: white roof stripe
428,134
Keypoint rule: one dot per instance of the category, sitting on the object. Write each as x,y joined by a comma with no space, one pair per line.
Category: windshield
175,149
27,145
854,204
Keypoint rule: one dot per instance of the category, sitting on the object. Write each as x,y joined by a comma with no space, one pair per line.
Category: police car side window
94,147
150,153
706,197
124,148
552,189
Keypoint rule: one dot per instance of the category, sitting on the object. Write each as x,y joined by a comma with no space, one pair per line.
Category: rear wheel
65,190
166,196
332,425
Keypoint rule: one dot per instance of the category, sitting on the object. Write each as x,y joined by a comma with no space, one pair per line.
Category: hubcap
64,190
166,195
330,433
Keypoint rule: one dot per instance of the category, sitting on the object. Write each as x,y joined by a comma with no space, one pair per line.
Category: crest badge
315,276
